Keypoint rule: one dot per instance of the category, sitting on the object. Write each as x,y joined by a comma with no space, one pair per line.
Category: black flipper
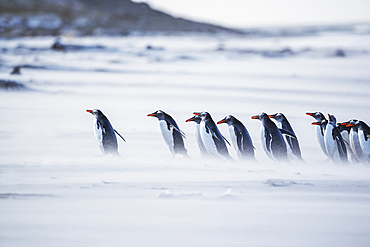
288,133
215,136
208,130
100,126
226,140
239,140
181,133
119,135
340,144
268,140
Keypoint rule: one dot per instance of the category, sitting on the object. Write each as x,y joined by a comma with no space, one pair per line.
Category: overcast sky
251,13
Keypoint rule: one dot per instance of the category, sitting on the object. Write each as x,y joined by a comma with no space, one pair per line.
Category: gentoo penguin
211,136
320,128
364,137
202,148
272,139
354,140
104,133
345,132
293,145
171,133
240,138
334,143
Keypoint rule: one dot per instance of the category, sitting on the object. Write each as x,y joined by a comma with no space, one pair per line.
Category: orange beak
190,119
316,123
221,121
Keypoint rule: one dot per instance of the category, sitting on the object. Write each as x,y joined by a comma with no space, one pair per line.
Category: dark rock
220,47
16,70
11,85
339,53
278,53
58,46
152,48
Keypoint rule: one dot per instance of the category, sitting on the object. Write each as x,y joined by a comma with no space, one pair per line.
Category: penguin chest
207,139
365,143
234,139
266,140
320,139
167,134
106,138
98,131
201,146
355,145
330,143
345,136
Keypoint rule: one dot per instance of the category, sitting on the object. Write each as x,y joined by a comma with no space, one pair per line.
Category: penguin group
213,144
340,142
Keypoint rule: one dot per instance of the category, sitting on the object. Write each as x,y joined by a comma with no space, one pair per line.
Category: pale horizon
244,14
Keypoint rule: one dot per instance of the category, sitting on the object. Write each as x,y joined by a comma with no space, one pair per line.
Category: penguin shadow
109,156
183,157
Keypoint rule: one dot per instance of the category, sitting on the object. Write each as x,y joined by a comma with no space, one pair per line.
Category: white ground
56,189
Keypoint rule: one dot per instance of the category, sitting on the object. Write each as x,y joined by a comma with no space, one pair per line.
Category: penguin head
363,126
194,118
228,119
204,115
317,115
277,116
158,114
96,112
343,127
262,116
332,119
351,123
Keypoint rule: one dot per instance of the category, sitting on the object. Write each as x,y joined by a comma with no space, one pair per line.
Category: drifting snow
56,189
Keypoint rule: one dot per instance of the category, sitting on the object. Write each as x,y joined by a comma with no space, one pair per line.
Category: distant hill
91,17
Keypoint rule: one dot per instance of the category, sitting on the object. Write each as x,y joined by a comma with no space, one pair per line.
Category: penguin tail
301,160
229,158
186,156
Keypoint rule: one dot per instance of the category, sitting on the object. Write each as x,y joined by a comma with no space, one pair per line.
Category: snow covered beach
57,189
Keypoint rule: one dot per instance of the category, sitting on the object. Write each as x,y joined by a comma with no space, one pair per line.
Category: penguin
202,148
240,137
320,129
293,145
272,138
345,132
214,142
171,133
334,143
364,137
104,133
354,140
